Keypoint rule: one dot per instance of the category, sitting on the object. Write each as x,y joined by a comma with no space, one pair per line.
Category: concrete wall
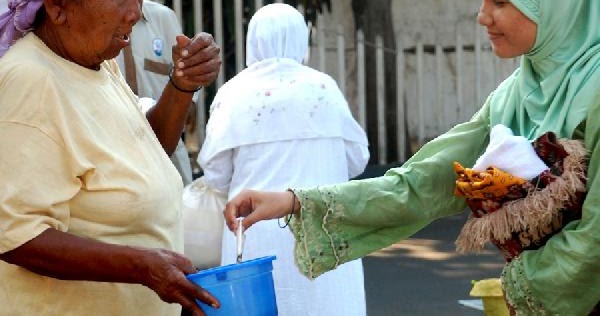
434,21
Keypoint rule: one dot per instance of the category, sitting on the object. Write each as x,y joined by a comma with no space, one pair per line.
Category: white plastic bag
203,223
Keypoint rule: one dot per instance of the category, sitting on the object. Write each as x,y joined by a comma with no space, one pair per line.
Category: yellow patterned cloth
491,183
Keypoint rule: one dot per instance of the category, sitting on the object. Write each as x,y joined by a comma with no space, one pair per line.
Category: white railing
437,86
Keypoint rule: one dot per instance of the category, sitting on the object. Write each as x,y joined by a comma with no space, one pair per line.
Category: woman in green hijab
554,90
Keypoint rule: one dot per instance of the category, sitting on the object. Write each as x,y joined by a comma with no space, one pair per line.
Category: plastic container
243,289
490,291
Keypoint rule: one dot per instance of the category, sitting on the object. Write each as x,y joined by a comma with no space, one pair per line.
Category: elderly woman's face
99,29
512,33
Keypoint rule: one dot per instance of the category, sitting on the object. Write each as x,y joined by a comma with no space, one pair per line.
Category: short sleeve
37,184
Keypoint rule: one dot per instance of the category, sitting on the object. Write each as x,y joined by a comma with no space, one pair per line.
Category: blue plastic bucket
245,288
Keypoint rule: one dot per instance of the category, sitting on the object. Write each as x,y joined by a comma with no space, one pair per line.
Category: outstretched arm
338,223
68,257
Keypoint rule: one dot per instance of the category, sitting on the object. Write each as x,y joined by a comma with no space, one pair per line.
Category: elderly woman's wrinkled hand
196,61
165,274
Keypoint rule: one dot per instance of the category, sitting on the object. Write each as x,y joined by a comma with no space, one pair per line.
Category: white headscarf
277,98
276,30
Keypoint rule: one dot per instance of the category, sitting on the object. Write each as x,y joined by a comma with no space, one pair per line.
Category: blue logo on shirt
157,46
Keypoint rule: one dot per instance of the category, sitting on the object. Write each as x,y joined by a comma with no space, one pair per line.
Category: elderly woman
90,202
554,90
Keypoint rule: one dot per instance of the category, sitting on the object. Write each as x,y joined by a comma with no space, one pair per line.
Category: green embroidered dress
555,89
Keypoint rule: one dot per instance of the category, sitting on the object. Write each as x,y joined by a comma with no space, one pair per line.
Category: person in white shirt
278,124
147,70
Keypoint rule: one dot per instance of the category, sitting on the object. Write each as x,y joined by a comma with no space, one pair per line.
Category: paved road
425,276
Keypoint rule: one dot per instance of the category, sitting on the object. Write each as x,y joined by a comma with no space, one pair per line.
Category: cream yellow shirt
78,155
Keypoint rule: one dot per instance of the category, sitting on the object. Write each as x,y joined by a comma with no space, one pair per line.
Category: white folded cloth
512,154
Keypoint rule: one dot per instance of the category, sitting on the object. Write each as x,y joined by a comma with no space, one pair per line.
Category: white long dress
278,125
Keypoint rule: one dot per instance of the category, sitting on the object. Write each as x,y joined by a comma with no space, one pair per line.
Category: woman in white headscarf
278,124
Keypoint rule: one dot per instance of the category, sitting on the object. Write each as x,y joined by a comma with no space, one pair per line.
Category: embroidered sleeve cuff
315,249
518,291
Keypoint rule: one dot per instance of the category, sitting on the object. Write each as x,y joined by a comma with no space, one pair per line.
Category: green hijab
559,78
